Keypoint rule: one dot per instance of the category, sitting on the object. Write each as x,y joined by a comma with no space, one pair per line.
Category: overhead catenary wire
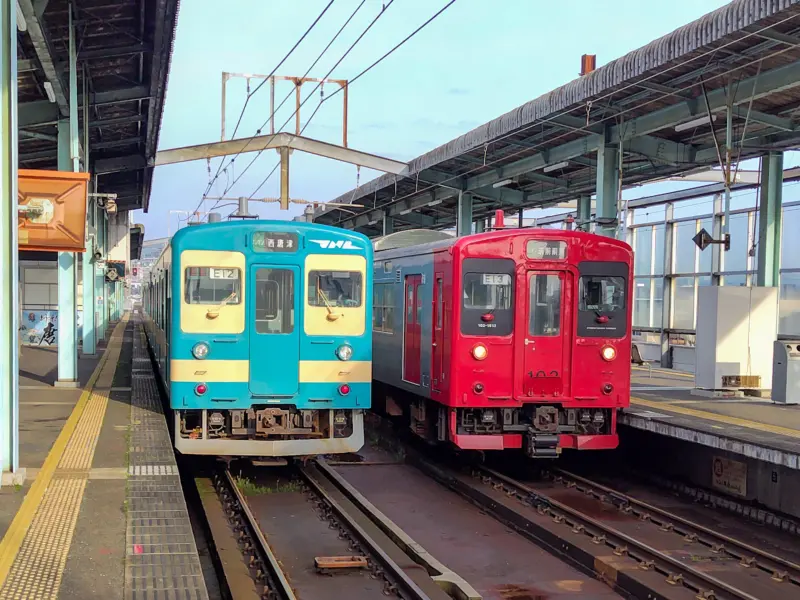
357,77
586,129
316,87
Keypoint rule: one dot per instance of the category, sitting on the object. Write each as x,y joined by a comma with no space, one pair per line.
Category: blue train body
260,332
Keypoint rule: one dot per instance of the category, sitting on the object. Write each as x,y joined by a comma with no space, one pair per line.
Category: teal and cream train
259,329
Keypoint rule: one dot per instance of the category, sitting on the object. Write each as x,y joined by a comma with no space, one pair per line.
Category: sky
476,61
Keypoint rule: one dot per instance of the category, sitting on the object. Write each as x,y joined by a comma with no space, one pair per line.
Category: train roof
414,241
247,224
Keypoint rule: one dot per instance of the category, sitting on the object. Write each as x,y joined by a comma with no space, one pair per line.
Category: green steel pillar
464,223
607,190
68,160
89,332
100,278
769,219
388,225
9,264
584,212
480,225
521,221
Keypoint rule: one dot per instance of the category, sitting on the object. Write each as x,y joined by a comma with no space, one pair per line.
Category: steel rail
280,587
749,556
407,587
678,573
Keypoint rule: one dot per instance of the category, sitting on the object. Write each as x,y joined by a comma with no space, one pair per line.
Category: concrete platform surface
84,525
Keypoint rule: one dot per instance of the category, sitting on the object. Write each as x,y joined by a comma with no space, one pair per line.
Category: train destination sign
274,241
546,249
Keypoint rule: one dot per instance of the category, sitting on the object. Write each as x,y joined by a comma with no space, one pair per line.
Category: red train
514,338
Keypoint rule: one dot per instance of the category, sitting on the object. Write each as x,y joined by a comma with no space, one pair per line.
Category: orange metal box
52,210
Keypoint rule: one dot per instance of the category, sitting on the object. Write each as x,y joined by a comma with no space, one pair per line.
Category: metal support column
521,222
100,278
464,224
769,219
480,225
666,305
89,332
716,249
284,152
584,212
388,225
67,335
607,190
9,264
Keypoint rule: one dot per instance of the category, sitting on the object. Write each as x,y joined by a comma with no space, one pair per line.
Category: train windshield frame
487,296
603,299
335,289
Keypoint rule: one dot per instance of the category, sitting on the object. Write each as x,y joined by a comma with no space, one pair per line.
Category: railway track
313,539
640,550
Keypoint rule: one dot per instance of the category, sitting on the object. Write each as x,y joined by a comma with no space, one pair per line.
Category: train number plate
223,273
496,279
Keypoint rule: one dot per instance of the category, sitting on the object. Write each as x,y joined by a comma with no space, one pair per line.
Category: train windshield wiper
213,313
332,316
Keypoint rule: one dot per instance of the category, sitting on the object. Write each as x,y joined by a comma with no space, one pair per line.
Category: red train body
514,338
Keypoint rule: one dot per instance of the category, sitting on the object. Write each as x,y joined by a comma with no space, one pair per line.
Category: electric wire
356,78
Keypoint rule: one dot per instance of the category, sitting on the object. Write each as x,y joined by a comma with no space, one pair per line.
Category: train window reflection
601,293
212,285
544,309
334,288
487,291
274,301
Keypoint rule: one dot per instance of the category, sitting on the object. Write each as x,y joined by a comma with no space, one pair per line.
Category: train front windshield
487,306
334,288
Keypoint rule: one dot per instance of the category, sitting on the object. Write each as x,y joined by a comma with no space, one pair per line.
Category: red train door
547,317
412,333
437,375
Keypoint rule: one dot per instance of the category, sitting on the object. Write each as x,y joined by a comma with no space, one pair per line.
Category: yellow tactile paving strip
690,412
34,551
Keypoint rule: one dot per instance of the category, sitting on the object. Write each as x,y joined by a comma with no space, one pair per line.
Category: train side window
544,318
383,308
212,285
274,309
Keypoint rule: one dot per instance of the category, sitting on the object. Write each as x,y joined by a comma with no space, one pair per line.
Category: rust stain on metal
591,507
606,569
341,562
517,592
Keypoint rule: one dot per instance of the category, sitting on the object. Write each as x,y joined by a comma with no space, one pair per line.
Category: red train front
515,338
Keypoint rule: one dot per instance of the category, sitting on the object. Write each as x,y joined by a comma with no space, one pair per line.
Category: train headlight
200,350
608,353
344,352
479,352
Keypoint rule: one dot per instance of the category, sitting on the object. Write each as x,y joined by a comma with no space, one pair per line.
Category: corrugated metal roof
744,38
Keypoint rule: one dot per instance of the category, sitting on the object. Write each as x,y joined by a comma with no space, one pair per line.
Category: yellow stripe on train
205,371
238,371
335,371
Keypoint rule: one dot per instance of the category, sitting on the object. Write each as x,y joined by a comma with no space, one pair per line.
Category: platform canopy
664,104
123,56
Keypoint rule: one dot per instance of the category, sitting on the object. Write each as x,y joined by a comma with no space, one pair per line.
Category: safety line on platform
34,550
709,416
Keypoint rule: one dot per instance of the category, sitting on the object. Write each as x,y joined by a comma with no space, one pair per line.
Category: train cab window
274,308
334,288
212,285
602,299
601,293
544,308
487,288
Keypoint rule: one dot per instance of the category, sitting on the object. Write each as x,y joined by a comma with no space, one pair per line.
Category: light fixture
608,353
502,183
344,352
479,352
22,24
556,166
434,203
48,89
696,123
200,350
406,211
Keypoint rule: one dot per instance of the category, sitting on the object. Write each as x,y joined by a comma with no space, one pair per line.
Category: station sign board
52,210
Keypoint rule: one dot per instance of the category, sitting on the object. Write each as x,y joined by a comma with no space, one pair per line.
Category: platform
661,402
746,448
101,512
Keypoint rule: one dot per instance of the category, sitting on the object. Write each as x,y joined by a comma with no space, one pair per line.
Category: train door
437,374
412,331
274,332
547,315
